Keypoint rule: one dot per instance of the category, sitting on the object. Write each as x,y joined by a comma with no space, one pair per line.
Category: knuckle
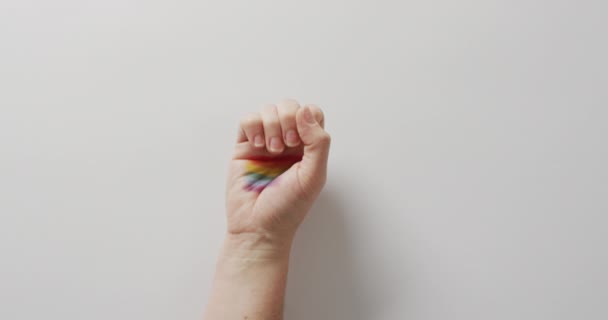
272,123
250,120
287,117
269,108
289,104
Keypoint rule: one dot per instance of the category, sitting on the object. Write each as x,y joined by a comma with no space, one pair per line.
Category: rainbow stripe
260,173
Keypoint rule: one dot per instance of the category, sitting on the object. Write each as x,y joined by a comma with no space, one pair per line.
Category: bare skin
251,271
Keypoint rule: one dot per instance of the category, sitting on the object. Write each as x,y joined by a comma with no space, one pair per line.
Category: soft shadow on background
332,275
323,282
337,273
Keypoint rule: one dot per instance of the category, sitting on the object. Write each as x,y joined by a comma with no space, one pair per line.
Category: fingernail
275,144
291,138
308,116
258,141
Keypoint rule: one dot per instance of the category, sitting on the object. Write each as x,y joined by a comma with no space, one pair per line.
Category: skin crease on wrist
277,171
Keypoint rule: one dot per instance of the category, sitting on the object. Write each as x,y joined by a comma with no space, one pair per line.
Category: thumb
313,167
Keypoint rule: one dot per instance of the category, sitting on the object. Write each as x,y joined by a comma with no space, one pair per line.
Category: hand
277,171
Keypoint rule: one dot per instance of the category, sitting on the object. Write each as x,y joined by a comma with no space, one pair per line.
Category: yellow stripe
271,171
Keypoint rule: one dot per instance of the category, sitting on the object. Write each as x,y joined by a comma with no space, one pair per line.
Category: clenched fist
277,171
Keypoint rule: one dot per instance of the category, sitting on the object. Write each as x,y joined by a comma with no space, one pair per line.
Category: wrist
256,246
250,279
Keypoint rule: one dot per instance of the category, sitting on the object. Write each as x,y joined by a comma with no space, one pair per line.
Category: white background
467,178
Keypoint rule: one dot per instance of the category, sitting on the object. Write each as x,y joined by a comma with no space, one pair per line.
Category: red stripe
286,159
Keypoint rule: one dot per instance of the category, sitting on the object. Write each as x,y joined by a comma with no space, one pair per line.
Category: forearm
250,279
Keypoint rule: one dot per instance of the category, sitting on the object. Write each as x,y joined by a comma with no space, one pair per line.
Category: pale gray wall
468,169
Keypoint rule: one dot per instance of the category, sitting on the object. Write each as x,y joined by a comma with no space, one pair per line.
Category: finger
316,150
245,151
272,129
287,110
251,130
317,114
